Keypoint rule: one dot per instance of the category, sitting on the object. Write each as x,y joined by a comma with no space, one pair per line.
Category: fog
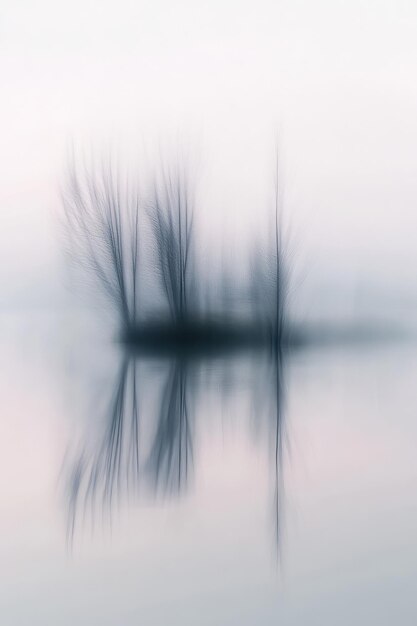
333,81
245,451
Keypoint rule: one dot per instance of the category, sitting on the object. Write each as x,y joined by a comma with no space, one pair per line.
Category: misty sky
334,80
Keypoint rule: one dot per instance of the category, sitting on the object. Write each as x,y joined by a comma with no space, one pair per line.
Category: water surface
222,491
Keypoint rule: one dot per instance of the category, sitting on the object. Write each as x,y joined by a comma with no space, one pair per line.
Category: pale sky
335,80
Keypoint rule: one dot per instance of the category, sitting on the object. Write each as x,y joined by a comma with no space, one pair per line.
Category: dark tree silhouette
171,211
103,218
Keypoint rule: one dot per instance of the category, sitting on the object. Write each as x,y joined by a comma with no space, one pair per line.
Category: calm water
221,492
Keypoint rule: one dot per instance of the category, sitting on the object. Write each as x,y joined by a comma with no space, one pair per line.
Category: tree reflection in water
129,454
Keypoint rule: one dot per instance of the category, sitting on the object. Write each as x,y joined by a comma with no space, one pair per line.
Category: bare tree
171,211
102,215
270,273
